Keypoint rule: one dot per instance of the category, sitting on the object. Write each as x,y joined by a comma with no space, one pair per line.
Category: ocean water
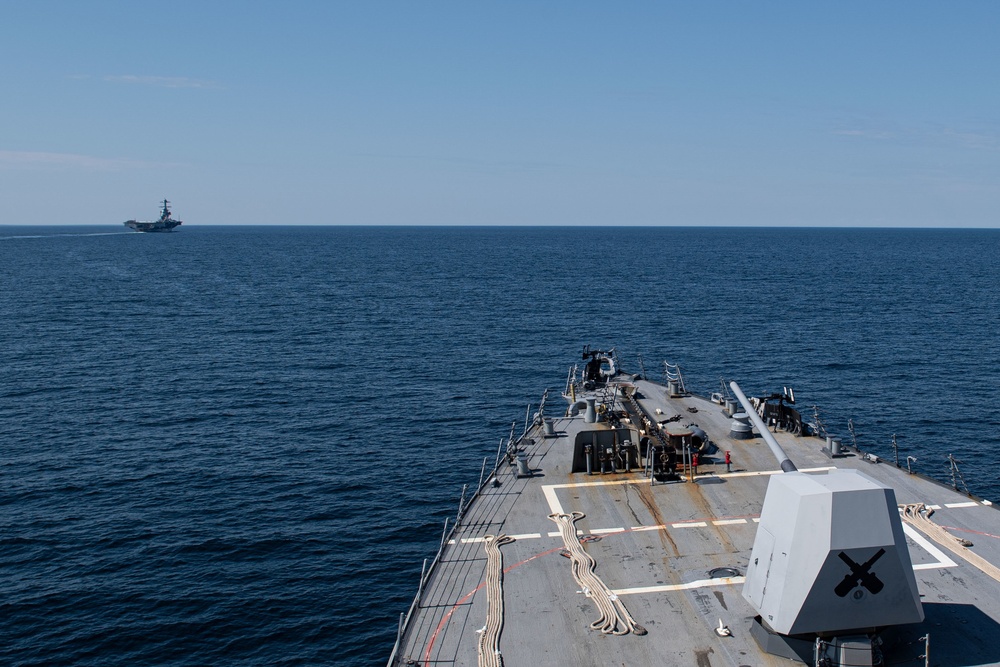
235,445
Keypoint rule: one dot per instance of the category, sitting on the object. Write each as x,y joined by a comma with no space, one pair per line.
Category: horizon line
511,226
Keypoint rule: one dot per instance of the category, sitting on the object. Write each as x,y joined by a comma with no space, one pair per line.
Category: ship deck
655,544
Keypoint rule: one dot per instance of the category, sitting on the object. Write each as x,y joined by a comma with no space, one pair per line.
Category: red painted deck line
444,620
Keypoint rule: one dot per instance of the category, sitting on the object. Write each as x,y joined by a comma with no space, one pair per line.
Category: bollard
522,465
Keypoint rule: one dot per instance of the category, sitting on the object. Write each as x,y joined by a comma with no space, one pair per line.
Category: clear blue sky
634,113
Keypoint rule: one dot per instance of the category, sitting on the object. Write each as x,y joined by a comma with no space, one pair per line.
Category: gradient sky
496,113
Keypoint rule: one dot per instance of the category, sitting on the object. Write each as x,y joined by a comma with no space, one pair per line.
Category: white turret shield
830,556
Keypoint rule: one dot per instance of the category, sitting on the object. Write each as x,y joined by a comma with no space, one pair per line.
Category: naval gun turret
829,568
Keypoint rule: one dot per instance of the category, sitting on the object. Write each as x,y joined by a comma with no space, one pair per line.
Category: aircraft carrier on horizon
165,224
636,523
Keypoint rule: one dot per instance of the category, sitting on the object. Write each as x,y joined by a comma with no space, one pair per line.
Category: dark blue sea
235,445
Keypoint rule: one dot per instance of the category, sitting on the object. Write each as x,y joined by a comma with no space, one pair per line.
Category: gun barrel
772,444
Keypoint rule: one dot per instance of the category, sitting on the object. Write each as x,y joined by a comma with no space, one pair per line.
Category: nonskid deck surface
654,547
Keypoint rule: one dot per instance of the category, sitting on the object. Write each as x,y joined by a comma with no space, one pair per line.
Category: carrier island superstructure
637,523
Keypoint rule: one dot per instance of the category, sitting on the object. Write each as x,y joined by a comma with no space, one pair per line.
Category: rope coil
918,515
489,638
615,619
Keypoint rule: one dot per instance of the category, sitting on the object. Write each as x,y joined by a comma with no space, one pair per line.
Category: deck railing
463,505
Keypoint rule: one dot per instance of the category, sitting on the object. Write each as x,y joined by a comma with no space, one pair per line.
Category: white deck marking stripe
757,473
555,508
701,583
726,581
957,505
933,507
943,560
524,536
987,503
552,499
756,519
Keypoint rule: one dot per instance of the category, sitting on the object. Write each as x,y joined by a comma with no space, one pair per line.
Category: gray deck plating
654,546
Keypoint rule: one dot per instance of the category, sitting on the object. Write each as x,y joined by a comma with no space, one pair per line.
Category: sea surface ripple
235,445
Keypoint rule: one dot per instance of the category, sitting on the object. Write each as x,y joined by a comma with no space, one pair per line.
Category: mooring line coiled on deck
489,638
615,619
919,515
